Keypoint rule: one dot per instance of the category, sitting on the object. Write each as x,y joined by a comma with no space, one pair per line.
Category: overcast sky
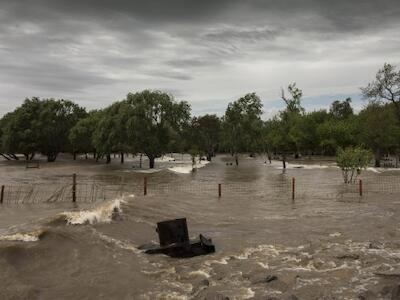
208,52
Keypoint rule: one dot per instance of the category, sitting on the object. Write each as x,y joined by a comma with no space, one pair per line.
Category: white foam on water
263,265
278,165
22,237
375,170
164,158
335,234
146,171
222,261
120,244
247,293
187,169
100,214
200,272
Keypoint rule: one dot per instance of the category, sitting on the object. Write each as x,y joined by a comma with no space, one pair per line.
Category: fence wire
95,191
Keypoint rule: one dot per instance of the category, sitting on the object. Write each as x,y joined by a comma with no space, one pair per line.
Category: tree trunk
51,157
284,161
86,157
108,158
151,161
74,155
14,156
5,156
209,156
140,161
377,158
236,159
26,156
32,156
122,158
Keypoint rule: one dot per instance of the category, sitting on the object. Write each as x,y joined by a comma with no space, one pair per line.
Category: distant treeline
153,123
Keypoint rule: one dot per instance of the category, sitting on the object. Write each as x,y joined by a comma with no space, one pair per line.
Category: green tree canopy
242,125
155,122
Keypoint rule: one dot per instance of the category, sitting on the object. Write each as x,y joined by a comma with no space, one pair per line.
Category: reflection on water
319,246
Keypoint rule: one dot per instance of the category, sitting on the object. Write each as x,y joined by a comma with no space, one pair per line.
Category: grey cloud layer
203,50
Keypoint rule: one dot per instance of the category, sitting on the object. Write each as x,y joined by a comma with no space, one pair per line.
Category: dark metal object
175,242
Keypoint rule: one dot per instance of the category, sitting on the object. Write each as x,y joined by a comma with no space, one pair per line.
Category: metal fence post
219,190
360,187
293,187
74,187
2,194
145,186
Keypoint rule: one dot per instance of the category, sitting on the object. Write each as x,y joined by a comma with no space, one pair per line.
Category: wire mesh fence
95,191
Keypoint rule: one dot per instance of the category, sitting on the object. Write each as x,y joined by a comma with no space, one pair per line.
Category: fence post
145,186
74,187
360,187
2,194
293,187
219,190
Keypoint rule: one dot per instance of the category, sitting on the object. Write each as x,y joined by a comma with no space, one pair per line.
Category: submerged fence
288,188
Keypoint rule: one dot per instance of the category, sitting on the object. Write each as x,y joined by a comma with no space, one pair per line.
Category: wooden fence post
219,190
360,187
145,186
293,187
2,194
74,187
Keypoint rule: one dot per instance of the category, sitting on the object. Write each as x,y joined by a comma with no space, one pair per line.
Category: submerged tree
155,121
81,135
351,160
242,125
379,130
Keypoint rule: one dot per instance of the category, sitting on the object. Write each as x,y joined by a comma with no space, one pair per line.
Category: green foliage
379,129
242,125
40,125
351,160
385,87
341,109
81,135
293,104
155,122
202,135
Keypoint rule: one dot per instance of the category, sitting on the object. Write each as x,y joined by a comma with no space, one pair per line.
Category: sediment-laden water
327,244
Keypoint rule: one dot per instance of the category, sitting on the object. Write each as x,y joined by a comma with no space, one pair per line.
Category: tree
293,104
209,134
379,129
54,122
287,120
351,160
155,121
304,131
111,134
386,87
82,134
20,130
334,134
341,109
242,125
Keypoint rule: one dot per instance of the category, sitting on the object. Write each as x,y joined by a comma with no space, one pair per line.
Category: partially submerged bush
351,161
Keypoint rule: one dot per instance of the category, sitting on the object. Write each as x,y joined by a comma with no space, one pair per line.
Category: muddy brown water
327,244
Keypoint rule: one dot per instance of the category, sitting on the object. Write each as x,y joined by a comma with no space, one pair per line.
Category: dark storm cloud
76,47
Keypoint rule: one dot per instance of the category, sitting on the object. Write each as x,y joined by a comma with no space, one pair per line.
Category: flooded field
329,243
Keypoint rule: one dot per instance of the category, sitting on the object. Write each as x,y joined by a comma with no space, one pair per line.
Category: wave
187,169
103,213
33,236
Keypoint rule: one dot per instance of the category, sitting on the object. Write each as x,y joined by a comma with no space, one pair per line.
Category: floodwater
329,243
